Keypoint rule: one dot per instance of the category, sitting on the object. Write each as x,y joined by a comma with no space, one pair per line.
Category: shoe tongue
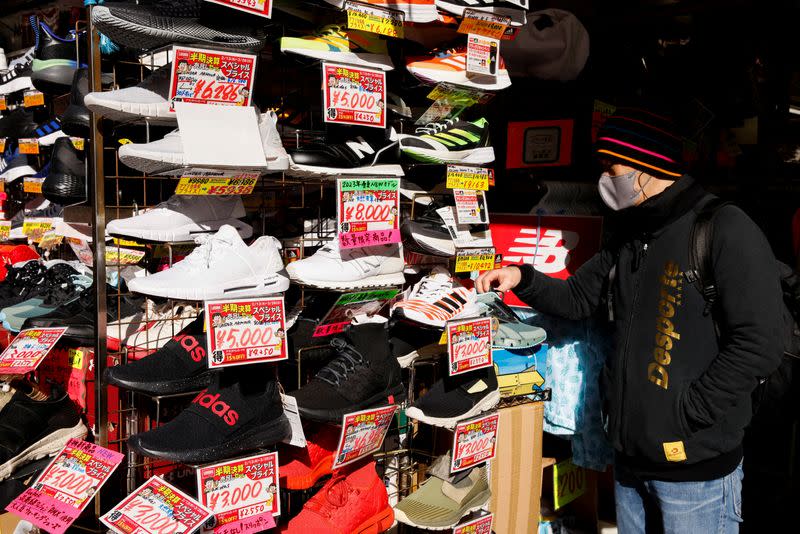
229,234
458,490
368,337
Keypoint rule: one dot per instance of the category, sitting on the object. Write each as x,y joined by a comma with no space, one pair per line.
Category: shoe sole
311,171
381,280
488,83
49,139
477,156
180,385
376,61
120,111
487,403
53,75
135,157
320,470
52,191
483,498
17,172
49,445
378,523
517,15
21,83
397,394
269,284
186,232
423,353
418,317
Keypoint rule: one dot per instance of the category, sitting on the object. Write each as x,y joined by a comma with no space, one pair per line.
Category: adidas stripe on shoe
451,142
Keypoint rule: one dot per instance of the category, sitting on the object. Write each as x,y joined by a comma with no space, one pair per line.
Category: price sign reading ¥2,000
156,507
248,331
262,8
243,494
470,207
362,434
483,23
368,211
482,525
354,95
202,76
375,19
569,482
469,345
474,442
28,349
465,177
352,305
238,184
475,259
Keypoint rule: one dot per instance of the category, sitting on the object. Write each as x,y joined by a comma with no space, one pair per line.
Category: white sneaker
150,99
436,299
3,61
277,157
223,266
162,323
184,217
334,268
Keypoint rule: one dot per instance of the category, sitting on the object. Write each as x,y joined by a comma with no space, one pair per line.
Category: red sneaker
353,501
304,467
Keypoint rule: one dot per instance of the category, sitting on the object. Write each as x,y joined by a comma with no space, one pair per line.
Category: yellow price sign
35,229
5,230
483,23
124,256
374,19
2,144
29,146
569,482
3,103
77,142
473,178
2,184
32,99
50,240
242,184
32,185
76,358
125,243
468,260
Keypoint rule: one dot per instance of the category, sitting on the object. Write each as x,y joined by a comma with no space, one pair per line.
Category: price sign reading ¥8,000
362,434
474,442
482,525
156,507
354,95
352,305
262,8
483,23
28,349
238,184
246,331
464,177
374,19
210,77
469,345
475,259
569,482
368,211
243,493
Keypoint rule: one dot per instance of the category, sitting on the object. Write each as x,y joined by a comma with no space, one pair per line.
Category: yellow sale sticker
77,142
569,482
375,19
29,146
50,240
125,243
32,98
76,358
5,230
3,103
464,177
35,228
32,185
468,260
2,144
483,23
241,184
124,256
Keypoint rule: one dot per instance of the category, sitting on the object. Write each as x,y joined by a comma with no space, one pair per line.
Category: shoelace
434,127
431,289
207,251
344,364
335,495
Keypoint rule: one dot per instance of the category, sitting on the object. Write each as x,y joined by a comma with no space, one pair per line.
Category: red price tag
482,525
202,76
474,442
28,349
362,434
469,345
354,96
246,331
262,8
368,211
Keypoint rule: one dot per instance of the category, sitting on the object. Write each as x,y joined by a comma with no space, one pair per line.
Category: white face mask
619,192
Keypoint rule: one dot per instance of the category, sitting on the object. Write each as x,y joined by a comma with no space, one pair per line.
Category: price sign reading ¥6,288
368,211
210,77
474,442
354,95
469,345
362,434
241,332
262,8
28,349
243,493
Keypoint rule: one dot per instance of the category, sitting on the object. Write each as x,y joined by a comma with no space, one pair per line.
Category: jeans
653,506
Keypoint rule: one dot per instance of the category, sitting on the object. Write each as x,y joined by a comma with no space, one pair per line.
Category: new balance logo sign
551,255
217,407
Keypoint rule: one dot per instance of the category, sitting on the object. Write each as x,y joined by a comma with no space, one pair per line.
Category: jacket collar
656,213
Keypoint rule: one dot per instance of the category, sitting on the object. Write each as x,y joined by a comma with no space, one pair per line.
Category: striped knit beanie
642,140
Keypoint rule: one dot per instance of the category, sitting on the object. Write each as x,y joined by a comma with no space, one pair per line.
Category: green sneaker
336,43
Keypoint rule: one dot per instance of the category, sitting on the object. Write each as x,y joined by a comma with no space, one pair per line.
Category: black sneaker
306,348
66,182
223,421
30,430
18,124
457,397
427,233
363,375
75,121
49,211
358,156
15,166
410,342
22,283
177,367
56,58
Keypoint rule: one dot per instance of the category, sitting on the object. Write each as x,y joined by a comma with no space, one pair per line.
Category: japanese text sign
484,23
482,525
240,184
249,331
362,434
354,95
475,259
470,207
262,8
474,442
375,19
465,177
469,345
368,211
210,77
28,349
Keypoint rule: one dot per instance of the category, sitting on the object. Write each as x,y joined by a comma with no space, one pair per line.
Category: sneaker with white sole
149,99
332,267
16,78
357,157
160,323
436,299
15,166
452,141
183,217
222,266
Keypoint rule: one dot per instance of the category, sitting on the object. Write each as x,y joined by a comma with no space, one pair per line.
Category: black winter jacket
676,398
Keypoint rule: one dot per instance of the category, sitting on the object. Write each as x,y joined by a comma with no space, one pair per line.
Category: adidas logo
549,253
191,345
217,407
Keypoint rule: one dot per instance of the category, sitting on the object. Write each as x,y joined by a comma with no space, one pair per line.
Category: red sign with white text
354,95
368,211
202,76
474,442
469,345
249,331
262,8
28,349
362,434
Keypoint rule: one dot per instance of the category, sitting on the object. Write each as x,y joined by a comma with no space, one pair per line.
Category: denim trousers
654,506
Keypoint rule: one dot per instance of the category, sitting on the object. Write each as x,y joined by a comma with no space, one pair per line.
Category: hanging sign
354,95
469,345
362,434
201,76
474,442
245,331
368,211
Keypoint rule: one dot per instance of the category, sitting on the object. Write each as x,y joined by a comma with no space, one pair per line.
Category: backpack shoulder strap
701,266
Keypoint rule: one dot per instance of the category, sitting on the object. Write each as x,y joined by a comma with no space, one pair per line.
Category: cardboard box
517,470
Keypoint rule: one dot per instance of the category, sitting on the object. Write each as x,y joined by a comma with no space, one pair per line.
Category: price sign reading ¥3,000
354,95
368,211
471,207
483,23
156,507
236,184
465,177
469,345
352,305
474,442
262,8
362,434
482,525
569,482
243,493
375,19
210,77
248,331
475,259
28,349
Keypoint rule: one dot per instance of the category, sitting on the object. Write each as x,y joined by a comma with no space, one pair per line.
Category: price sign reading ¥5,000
238,184
352,305
249,331
156,507
474,442
354,95
262,8
210,77
483,23
569,482
243,493
368,211
28,349
465,177
362,434
471,207
375,19
469,345
475,259
482,525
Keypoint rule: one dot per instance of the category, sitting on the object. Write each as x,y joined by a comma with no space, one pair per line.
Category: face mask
619,192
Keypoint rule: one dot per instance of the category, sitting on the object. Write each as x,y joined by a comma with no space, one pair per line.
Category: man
676,397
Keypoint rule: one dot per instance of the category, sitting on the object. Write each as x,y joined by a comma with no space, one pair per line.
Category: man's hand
502,280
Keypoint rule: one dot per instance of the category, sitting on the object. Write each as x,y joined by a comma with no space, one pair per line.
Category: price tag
243,494
75,358
3,106
351,305
201,76
246,331
569,482
3,144
483,23
375,19
471,207
459,96
362,434
475,259
483,55
32,98
239,184
5,230
125,243
474,442
482,525
82,250
465,177
262,8
24,354
298,437
28,146
469,345
439,111
124,256
35,228
32,185
156,507
50,240
354,95
78,142
368,211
